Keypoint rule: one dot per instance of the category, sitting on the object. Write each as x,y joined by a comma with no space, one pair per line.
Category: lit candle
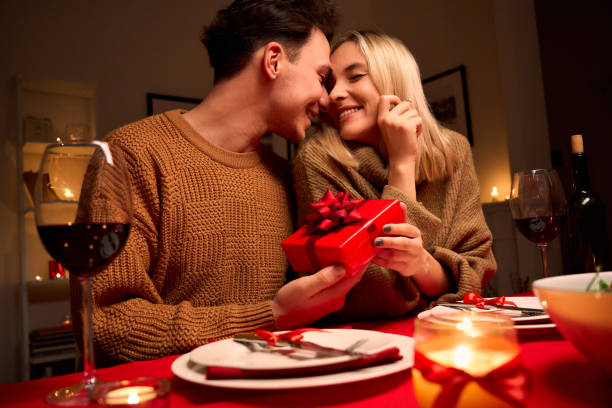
494,194
466,345
132,395
143,392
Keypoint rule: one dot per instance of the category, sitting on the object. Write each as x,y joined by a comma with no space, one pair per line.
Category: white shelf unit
47,111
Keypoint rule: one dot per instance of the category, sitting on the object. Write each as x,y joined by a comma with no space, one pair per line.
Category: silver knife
303,345
526,311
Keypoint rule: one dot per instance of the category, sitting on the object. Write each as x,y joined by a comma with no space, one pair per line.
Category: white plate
521,301
229,353
183,367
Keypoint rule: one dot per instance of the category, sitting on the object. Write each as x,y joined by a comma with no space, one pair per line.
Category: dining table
560,377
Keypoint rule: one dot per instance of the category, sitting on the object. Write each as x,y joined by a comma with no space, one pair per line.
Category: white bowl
584,318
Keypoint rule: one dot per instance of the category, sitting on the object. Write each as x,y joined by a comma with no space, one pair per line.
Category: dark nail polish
387,228
378,242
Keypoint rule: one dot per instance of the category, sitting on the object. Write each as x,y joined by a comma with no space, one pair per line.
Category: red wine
588,235
540,230
84,249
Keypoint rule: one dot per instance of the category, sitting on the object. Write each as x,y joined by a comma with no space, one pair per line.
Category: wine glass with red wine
538,207
83,207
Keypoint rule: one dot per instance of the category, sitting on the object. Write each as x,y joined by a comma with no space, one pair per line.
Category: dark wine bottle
587,219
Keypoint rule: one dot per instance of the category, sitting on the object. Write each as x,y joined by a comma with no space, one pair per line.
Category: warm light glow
130,395
38,278
469,342
494,193
462,356
68,193
58,275
133,398
465,324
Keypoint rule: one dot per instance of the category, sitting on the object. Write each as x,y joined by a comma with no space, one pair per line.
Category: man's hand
306,299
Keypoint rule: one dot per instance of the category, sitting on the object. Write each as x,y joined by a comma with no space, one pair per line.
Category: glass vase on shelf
588,235
83,210
538,206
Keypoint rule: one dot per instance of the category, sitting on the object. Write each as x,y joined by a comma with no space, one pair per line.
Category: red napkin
385,356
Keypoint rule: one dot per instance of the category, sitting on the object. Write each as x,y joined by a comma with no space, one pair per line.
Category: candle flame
133,398
463,356
494,193
68,193
465,324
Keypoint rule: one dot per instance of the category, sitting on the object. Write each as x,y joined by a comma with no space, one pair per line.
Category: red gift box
347,239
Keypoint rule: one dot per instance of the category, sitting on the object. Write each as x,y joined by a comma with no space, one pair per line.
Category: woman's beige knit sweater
203,259
448,214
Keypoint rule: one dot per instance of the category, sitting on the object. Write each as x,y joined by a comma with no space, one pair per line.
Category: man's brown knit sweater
203,259
448,213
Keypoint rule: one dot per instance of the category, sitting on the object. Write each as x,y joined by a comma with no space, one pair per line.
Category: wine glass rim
76,143
93,144
535,171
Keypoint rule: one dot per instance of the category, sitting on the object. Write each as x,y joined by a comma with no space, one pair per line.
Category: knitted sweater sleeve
463,244
137,314
465,247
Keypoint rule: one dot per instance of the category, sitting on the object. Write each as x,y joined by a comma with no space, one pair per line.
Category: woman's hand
400,126
404,253
309,298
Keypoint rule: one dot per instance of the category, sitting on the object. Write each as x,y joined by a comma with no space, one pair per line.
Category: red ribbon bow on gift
509,382
480,302
332,210
294,335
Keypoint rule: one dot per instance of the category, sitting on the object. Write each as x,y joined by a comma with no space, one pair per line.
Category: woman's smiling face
353,97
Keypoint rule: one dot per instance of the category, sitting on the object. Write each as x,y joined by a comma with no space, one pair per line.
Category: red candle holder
56,270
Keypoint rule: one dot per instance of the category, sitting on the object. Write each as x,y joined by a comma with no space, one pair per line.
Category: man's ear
272,59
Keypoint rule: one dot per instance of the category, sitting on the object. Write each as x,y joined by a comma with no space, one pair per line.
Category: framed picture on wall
448,99
159,103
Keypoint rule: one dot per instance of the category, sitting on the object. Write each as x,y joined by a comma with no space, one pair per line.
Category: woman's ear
272,59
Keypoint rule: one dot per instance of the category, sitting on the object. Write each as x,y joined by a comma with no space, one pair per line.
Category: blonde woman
378,140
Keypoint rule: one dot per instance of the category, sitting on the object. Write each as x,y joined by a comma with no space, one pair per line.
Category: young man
203,260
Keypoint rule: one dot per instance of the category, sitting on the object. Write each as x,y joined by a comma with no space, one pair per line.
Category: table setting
559,374
529,350
529,317
285,367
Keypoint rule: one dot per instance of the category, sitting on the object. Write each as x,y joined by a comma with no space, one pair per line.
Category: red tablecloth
562,377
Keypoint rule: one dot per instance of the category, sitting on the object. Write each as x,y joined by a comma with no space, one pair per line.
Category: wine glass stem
544,263
89,366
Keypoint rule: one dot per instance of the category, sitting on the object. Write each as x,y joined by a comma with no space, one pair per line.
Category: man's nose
324,101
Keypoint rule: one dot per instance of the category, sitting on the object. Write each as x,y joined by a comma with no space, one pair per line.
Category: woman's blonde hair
393,70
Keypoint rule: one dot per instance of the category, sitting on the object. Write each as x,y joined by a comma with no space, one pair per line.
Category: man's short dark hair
245,25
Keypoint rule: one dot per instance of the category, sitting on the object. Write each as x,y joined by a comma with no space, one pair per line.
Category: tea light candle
140,392
129,395
467,343
494,194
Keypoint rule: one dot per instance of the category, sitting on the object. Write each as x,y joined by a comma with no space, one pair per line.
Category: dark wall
576,52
